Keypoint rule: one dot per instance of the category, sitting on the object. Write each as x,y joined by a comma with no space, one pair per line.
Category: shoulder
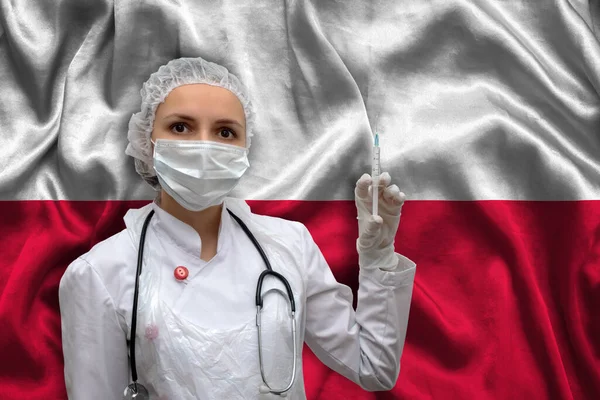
281,227
293,236
291,232
110,250
102,266
108,258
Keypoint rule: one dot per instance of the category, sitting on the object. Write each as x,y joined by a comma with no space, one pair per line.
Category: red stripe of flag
505,303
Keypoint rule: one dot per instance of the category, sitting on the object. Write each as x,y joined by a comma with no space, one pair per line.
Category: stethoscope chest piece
136,391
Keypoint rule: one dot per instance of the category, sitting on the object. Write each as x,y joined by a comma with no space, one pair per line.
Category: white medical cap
178,72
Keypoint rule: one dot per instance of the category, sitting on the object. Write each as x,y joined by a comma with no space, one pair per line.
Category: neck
205,222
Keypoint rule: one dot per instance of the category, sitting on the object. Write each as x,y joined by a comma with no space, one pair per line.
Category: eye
227,133
178,128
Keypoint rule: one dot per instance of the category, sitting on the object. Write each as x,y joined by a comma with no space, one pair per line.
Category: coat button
181,273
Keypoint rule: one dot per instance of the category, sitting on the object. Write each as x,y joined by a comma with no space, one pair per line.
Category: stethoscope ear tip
264,390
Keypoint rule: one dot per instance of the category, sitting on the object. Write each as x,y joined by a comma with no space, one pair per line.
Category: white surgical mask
198,174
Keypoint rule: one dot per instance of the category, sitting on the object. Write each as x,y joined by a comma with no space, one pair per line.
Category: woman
195,320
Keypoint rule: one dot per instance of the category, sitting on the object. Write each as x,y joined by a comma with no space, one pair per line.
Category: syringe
375,171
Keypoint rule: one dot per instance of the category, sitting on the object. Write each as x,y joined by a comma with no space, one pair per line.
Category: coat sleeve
364,345
94,344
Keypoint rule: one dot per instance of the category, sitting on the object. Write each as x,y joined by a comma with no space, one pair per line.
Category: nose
206,132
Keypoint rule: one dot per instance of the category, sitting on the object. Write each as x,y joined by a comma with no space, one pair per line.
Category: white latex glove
375,243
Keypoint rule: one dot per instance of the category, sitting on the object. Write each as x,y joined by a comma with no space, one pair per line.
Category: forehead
204,97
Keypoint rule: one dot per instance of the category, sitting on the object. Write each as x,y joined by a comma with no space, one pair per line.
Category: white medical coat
197,338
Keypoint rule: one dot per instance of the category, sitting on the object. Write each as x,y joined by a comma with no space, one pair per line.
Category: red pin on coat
181,273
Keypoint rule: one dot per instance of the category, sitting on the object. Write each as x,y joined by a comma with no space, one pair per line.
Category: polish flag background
489,119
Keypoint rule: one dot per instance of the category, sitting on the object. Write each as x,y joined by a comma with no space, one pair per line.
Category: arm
364,346
94,344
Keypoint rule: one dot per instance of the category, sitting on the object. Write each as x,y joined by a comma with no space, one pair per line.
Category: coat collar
182,235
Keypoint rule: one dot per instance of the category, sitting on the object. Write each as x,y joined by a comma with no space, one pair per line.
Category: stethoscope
137,391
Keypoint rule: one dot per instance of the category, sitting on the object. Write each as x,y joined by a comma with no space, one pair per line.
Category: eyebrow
179,116
219,121
228,121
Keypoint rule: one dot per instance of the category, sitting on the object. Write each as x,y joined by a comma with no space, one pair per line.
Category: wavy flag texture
489,118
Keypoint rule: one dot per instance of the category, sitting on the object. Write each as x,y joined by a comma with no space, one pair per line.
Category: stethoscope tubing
259,304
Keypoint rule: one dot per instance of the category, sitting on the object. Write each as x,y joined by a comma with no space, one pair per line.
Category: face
201,112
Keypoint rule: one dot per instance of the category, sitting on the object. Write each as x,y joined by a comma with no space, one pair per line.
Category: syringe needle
375,171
